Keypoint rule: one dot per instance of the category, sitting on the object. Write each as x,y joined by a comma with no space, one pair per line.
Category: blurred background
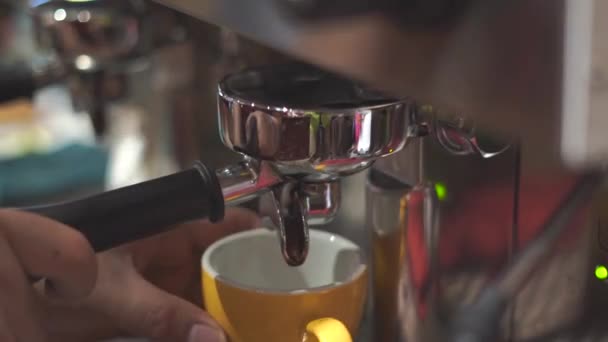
48,150
100,94
88,127
100,97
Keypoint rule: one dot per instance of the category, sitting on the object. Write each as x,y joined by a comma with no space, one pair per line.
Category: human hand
150,288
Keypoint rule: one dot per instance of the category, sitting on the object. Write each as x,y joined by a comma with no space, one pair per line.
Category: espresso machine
478,125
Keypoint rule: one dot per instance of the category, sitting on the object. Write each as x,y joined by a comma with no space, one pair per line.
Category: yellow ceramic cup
256,297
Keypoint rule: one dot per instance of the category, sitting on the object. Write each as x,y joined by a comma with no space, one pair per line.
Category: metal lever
458,136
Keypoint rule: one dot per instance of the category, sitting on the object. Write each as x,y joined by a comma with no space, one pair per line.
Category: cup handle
327,330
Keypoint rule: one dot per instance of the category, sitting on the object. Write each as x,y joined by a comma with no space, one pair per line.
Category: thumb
141,309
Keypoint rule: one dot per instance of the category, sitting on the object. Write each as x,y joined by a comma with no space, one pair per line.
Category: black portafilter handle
124,215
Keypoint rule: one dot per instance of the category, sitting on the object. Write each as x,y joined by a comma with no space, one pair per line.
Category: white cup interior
253,259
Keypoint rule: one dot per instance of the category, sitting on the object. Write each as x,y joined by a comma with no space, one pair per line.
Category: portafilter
298,128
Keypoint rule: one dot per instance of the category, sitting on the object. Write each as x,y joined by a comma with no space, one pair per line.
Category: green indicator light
601,272
442,191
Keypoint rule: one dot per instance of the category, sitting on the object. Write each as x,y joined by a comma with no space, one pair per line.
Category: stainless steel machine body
501,105
532,70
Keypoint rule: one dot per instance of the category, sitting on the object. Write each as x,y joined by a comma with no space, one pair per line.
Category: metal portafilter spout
299,130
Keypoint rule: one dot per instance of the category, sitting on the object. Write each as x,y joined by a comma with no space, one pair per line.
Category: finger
189,239
143,310
52,250
77,324
17,300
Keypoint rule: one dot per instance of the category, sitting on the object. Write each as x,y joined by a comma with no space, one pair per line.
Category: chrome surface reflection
486,266
322,201
245,180
459,136
300,129
309,123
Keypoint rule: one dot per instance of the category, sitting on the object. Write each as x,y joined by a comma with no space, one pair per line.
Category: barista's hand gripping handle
124,215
